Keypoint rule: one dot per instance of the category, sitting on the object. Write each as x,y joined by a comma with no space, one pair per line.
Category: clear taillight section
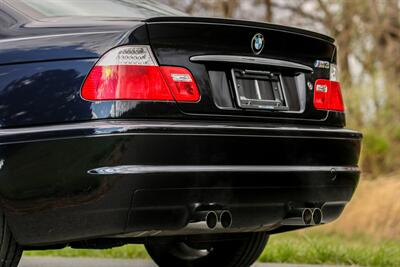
333,73
132,73
328,94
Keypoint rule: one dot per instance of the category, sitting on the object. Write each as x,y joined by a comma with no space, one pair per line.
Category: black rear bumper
137,178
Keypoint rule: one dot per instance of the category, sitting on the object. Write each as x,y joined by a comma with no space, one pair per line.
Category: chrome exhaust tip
225,219
317,216
211,219
307,216
203,220
298,217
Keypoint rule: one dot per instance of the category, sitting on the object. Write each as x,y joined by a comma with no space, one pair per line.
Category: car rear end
257,134
212,126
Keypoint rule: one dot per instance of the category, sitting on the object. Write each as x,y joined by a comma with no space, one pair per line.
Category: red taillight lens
328,95
126,83
181,83
131,73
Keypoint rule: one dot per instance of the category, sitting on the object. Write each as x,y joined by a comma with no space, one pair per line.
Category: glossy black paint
54,44
74,170
57,192
41,75
199,36
27,88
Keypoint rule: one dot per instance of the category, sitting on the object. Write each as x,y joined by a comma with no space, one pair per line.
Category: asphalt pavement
87,262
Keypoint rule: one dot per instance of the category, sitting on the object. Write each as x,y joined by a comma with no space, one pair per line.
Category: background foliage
367,33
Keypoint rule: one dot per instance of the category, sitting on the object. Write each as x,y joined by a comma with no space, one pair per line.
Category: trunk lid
233,78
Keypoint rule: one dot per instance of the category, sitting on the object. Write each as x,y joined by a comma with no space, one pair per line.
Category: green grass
309,248
126,252
318,248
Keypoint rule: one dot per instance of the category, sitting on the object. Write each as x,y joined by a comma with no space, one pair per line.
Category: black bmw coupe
128,122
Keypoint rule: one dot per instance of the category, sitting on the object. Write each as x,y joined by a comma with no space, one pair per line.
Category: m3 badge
321,64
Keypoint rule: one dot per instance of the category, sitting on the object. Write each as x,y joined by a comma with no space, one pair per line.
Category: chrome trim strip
124,126
251,60
151,169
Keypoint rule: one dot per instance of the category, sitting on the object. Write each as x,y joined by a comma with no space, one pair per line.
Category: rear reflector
328,95
132,73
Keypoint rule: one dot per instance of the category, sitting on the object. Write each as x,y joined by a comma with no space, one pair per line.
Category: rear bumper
137,178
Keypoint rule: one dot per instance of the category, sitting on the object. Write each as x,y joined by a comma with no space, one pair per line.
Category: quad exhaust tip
307,216
211,219
225,219
203,220
317,216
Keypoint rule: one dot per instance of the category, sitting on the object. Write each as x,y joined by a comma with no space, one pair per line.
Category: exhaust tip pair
312,216
224,217
304,216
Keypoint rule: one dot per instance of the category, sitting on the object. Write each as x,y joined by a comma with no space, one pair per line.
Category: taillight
327,93
132,73
181,83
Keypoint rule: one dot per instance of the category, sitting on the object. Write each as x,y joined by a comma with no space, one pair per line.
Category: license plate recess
259,90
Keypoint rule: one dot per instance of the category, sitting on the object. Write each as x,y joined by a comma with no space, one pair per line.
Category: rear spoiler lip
245,23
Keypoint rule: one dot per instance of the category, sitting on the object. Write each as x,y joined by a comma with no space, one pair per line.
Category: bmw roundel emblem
257,44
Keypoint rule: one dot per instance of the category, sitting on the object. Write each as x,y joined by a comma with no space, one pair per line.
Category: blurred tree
367,33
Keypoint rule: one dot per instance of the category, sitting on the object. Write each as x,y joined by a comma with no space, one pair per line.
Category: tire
240,251
10,251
